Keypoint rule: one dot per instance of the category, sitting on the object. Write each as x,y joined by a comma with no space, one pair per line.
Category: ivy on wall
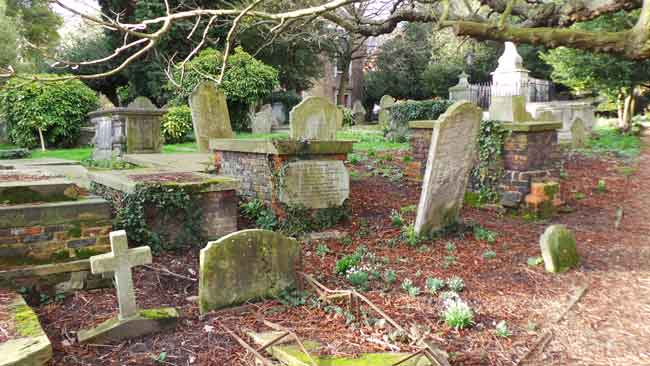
487,173
176,212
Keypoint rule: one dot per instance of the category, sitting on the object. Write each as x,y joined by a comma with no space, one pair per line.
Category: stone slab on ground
145,322
558,246
30,347
246,265
191,162
291,354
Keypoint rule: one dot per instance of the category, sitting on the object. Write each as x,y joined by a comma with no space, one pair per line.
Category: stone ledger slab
246,265
451,157
31,347
315,184
292,355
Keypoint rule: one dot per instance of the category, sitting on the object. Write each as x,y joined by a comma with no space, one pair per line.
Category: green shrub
410,288
246,81
358,279
481,233
396,218
177,124
434,284
412,110
58,108
344,264
348,116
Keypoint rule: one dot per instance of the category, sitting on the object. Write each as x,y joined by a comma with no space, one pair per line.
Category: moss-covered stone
246,265
31,347
147,322
558,246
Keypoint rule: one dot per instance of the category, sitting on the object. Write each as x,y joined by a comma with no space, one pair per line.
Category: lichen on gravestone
558,246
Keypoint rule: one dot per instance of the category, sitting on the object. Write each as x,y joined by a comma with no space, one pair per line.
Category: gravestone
246,265
451,157
315,184
384,112
143,134
558,247
359,112
210,116
279,114
263,120
578,133
104,102
315,118
130,322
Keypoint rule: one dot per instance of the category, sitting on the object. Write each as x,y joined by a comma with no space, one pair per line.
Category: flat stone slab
291,354
127,180
191,161
30,347
146,322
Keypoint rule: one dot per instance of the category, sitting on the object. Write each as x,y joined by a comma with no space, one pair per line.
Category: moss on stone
159,313
22,195
85,253
75,230
26,321
60,255
551,189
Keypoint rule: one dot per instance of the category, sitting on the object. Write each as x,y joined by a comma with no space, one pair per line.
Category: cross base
143,323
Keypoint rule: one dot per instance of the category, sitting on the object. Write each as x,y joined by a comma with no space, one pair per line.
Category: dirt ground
608,325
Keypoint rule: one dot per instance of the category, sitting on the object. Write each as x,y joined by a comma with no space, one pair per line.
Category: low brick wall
53,232
219,210
419,141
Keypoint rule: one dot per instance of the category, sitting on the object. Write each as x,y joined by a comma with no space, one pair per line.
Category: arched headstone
210,115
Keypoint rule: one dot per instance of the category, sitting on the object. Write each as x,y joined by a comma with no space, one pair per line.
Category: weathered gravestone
315,184
263,120
359,113
451,157
210,115
384,112
315,118
104,102
130,322
279,114
246,265
558,249
578,133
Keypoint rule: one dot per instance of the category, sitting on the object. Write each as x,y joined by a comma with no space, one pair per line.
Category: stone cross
120,261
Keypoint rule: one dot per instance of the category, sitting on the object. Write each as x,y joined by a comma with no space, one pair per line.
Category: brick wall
53,232
528,157
420,141
255,172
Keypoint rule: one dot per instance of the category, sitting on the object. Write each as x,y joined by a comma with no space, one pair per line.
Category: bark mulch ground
614,309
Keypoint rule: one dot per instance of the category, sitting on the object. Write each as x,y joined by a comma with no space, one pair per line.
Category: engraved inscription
315,184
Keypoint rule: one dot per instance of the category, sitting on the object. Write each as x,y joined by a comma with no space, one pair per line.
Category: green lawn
610,140
368,137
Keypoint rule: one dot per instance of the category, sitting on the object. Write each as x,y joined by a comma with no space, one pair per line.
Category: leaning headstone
315,118
130,322
246,265
451,156
384,112
263,120
558,249
578,133
210,115
359,113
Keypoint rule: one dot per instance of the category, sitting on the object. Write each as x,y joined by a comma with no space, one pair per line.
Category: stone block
31,347
511,199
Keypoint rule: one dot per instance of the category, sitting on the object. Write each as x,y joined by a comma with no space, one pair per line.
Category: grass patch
370,140
610,140
77,154
185,147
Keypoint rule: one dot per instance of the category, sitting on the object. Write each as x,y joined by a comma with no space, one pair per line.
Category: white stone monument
130,322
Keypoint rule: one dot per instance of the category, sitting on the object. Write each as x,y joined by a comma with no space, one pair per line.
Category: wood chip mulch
502,288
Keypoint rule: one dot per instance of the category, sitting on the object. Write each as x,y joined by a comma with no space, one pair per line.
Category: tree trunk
40,135
343,83
628,105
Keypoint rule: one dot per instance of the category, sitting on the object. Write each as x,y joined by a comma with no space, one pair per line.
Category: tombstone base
145,322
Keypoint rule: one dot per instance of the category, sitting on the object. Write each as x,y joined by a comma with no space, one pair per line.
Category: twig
579,294
250,349
170,273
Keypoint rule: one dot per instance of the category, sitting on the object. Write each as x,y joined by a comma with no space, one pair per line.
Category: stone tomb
131,130
210,116
130,323
246,265
215,195
29,346
451,157
289,172
315,118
